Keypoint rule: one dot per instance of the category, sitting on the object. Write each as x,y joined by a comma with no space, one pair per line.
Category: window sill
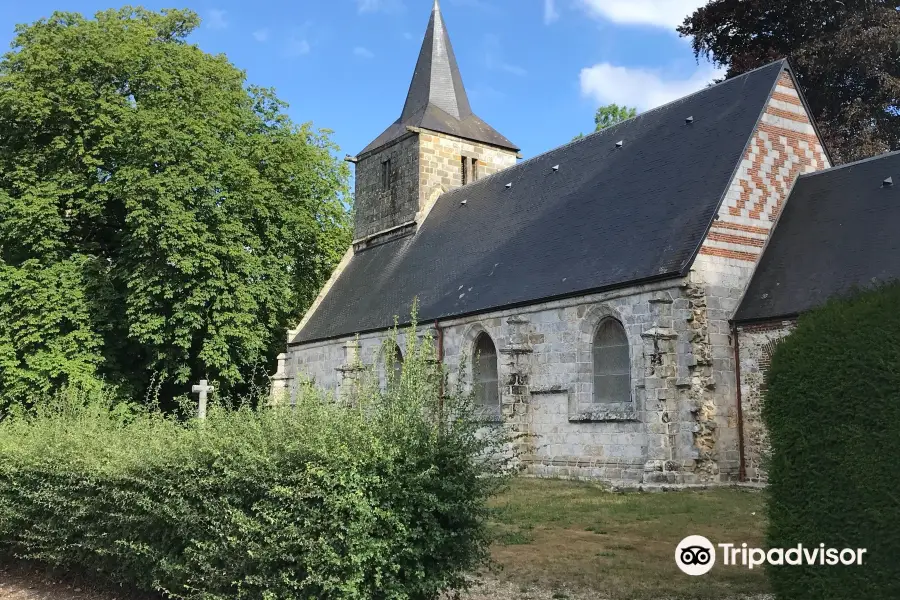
488,419
605,413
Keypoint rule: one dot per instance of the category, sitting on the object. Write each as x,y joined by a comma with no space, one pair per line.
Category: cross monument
202,389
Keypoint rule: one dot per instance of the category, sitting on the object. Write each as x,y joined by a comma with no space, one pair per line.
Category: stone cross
202,389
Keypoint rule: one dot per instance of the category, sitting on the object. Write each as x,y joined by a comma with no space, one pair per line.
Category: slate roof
839,229
437,99
609,217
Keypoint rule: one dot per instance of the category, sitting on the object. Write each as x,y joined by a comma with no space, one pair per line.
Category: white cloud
261,35
216,19
363,52
550,12
297,47
371,6
655,13
643,88
493,57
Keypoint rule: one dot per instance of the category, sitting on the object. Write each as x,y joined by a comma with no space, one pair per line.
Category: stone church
596,283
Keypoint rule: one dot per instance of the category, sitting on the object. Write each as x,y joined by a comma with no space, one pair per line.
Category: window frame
386,174
487,411
622,334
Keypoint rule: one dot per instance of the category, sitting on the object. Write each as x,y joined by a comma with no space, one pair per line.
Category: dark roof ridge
851,164
613,127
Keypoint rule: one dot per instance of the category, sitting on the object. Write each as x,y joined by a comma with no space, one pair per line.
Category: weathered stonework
545,368
423,164
682,423
757,342
379,208
440,162
783,146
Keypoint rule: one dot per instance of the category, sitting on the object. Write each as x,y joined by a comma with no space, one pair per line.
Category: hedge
832,410
381,498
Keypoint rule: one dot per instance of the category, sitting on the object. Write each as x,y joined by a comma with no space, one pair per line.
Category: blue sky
535,69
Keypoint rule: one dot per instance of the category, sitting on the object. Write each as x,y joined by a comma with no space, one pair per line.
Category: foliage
832,410
844,52
381,497
609,115
156,215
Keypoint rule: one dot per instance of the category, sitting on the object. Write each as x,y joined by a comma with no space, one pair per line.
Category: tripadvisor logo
696,555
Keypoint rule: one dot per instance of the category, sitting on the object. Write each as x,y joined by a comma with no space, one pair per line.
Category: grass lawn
577,536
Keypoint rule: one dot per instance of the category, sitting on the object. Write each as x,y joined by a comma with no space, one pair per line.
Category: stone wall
681,425
379,208
424,164
440,163
783,146
545,368
757,342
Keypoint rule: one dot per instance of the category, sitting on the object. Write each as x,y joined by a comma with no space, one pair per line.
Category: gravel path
24,581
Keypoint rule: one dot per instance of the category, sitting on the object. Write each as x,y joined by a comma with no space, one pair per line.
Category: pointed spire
437,79
437,99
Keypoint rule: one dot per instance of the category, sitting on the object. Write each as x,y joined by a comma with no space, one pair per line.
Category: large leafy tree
609,115
846,55
159,219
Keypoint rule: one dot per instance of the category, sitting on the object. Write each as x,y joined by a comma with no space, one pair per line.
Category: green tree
158,217
844,52
609,115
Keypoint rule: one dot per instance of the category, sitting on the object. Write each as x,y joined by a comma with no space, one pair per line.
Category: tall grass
381,494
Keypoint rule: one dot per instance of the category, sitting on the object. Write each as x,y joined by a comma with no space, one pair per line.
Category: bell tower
437,144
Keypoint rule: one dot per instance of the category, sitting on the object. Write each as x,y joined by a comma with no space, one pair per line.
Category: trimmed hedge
378,500
833,414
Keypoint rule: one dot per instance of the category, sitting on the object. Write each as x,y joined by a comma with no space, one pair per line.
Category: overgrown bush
382,497
833,414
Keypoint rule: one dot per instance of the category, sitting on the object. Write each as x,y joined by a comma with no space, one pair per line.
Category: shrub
381,498
833,414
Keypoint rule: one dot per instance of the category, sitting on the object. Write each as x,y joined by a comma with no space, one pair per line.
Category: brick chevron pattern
783,146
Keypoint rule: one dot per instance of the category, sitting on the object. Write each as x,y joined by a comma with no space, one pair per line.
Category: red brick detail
786,114
774,159
764,326
739,227
789,134
723,253
735,239
787,98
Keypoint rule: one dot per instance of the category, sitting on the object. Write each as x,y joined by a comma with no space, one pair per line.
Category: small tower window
386,174
463,166
474,169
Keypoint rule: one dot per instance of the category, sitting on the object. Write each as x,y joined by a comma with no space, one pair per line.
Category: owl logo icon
695,555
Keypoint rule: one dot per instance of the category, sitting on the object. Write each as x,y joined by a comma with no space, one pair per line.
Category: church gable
784,145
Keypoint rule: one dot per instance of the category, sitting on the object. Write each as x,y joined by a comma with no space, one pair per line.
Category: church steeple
437,99
436,145
436,79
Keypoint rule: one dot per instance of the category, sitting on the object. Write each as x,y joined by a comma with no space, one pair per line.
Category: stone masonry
757,343
545,368
379,208
784,145
681,424
423,165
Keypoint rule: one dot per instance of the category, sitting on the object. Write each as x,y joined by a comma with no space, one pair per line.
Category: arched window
487,384
612,363
396,362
